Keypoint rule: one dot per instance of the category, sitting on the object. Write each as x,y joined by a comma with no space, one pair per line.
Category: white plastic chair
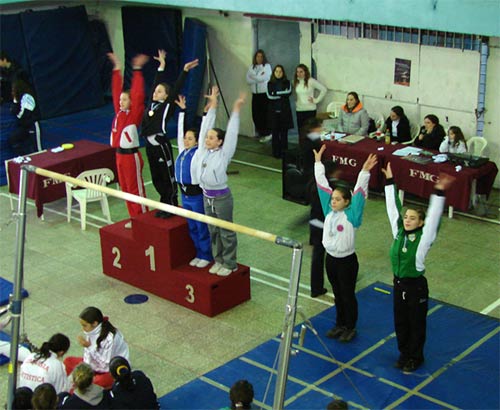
99,176
333,109
415,131
476,145
379,120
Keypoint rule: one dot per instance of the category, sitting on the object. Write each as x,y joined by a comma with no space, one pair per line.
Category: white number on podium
151,253
116,263
190,296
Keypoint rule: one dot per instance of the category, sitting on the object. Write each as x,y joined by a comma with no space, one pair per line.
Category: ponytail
56,343
119,367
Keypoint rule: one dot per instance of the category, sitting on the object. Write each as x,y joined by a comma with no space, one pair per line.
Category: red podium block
154,256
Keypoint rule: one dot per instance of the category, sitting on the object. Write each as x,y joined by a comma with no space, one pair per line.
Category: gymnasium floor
174,345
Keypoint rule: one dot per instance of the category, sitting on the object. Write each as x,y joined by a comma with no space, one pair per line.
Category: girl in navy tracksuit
413,235
191,193
343,215
154,130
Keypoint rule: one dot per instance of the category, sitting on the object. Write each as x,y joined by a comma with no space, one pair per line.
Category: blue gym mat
461,370
6,289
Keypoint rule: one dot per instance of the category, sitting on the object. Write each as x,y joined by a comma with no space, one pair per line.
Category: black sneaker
401,362
162,214
320,293
347,335
412,365
335,332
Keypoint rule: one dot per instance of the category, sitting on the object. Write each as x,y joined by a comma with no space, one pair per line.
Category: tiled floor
174,345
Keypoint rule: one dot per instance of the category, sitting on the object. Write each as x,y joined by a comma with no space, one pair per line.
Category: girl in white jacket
101,342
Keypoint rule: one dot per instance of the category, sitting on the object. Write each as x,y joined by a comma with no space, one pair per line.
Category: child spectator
101,342
86,395
44,397
210,169
154,130
22,398
131,389
343,216
45,366
454,143
191,193
279,111
22,139
413,236
129,109
241,395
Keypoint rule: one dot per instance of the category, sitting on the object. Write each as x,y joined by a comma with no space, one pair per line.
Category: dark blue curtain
62,60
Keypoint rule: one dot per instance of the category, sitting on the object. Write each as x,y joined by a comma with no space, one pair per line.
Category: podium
154,256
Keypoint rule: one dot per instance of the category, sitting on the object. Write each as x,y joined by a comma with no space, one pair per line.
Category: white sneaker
265,139
225,271
215,268
202,263
194,262
128,225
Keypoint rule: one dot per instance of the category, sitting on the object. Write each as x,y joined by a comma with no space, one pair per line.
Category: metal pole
287,335
16,304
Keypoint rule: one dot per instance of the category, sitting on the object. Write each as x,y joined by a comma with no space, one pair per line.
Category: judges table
84,156
411,177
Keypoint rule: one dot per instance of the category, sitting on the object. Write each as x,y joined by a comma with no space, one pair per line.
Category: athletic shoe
347,335
320,293
401,362
194,262
412,365
202,263
225,271
163,214
335,332
216,267
128,225
265,139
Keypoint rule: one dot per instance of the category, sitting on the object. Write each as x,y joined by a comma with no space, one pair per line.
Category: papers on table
403,152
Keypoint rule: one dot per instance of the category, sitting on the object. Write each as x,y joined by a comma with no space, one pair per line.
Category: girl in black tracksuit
154,130
22,139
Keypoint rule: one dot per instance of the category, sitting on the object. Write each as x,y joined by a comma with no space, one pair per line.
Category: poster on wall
402,72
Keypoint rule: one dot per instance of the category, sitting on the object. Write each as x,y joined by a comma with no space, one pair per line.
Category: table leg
450,212
401,194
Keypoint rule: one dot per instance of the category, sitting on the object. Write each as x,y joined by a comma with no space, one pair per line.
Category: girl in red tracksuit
129,108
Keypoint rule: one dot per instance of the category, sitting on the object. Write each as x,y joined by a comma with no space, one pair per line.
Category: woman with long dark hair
431,134
22,139
398,125
353,118
280,113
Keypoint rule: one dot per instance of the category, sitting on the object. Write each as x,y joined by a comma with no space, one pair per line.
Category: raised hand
212,97
114,59
239,102
190,65
162,55
319,154
181,102
445,181
387,171
370,162
139,60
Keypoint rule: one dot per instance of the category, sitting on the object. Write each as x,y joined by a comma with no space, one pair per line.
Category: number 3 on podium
190,297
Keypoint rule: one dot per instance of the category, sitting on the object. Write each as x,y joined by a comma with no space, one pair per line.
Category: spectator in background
22,398
431,134
353,118
305,89
280,113
258,75
22,139
398,125
44,397
131,389
10,72
241,395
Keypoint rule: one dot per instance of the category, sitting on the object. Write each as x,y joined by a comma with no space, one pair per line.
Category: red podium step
154,256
